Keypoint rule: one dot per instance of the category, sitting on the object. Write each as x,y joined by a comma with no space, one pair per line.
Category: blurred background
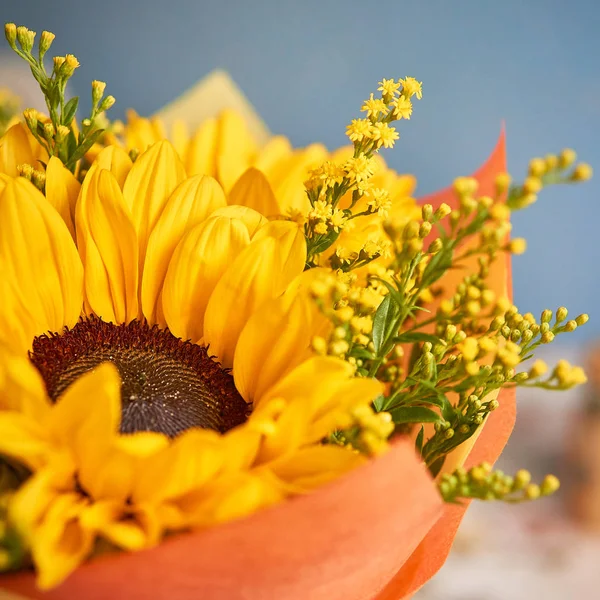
306,67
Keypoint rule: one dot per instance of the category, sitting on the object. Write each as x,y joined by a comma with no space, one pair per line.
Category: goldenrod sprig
482,483
58,134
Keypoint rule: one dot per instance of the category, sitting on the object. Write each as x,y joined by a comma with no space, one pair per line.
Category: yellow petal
62,190
314,466
152,179
274,153
38,255
288,180
236,148
21,386
180,137
140,133
198,263
257,274
24,439
191,460
274,340
191,203
200,156
251,218
108,246
291,245
86,417
16,148
60,544
115,160
253,190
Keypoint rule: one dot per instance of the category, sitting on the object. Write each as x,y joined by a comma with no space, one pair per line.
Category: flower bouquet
232,369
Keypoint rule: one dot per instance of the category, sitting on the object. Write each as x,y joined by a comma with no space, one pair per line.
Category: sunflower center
168,385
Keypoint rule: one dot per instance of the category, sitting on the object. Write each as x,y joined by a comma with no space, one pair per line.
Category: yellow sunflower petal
251,218
191,460
291,245
314,466
274,340
236,148
259,273
16,149
200,156
191,203
60,543
198,263
87,415
253,190
288,179
38,255
115,160
277,150
141,133
21,386
180,137
152,179
23,439
62,190
108,246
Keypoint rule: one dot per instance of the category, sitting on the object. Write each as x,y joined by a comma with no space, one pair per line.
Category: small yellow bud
435,246
443,211
339,333
522,478
571,325
61,133
550,484
49,131
58,62
26,38
107,103
582,319
46,40
465,186
551,162
10,32
339,347
500,212
537,167
485,201
502,182
427,212
345,314
319,345
517,246
582,172
446,307
538,369
411,230
547,337
473,308
567,158
561,314
71,61
487,297
425,229
469,348
31,118
532,185
98,88
546,316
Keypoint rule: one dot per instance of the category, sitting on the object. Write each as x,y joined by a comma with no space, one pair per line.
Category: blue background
306,67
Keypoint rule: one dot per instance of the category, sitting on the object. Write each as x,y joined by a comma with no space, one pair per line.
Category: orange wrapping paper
378,533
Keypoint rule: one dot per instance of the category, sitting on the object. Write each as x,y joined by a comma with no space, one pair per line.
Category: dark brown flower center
168,385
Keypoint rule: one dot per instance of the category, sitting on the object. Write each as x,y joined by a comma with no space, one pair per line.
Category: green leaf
70,110
419,440
382,321
414,414
436,467
417,337
378,403
84,147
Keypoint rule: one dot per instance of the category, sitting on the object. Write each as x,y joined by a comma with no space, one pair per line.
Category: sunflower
156,365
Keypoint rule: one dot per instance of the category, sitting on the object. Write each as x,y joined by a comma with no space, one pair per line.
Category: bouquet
233,369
